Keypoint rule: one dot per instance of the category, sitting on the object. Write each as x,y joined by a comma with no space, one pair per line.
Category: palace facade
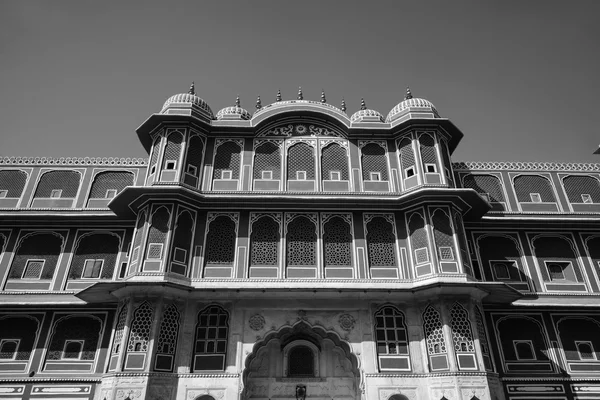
298,253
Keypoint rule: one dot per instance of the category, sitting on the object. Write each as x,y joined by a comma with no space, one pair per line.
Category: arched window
582,189
392,340
459,228
167,339
489,187
557,258
522,338
220,244
210,348
483,340
117,342
301,248
193,167
444,240
12,183
159,228
36,256
153,165
434,339
182,243
8,348
533,189
462,337
108,184
301,162
431,165
301,362
58,185
17,336
407,162
267,165
381,248
337,248
374,162
420,244
171,156
334,163
95,256
137,241
75,337
264,248
227,161
501,259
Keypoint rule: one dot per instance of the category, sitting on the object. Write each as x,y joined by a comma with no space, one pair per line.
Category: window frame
301,175
493,264
335,175
180,249
169,163
150,245
10,340
94,261
108,193
410,169
226,174
3,194
586,198
452,257
535,198
69,341
192,170
55,193
419,250
43,261
374,176
286,359
525,341
564,266
593,351
266,175
427,165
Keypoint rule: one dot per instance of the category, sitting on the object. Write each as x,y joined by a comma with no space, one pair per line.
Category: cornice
83,161
524,166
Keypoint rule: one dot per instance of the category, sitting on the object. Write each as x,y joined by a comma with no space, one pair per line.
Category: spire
323,99
192,89
408,94
278,95
343,105
363,105
237,102
258,103
300,96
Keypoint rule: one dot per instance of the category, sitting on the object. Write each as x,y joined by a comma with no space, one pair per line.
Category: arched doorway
301,355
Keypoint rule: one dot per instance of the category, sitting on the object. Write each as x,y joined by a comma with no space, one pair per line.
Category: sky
518,78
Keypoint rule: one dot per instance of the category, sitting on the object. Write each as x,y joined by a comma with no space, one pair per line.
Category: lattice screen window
172,152
12,182
528,184
334,158
557,250
582,189
301,362
447,162
96,246
267,157
33,269
182,241
211,333
39,246
194,157
483,341
139,236
373,159
119,329
9,348
407,157
390,332
434,333
443,235
264,242
462,336
141,324
381,243
301,242
418,238
428,152
22,328
462,241
77,328
337,242
155,154
487,185
159,227
66,181
105,182
301,158
169,328
220,241
228,158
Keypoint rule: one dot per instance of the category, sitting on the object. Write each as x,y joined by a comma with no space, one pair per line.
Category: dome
234,112
187,100
366,115
411,104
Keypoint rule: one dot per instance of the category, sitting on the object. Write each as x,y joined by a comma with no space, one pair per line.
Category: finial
258,103
278,95
343,105
408,94
237,102
323,100
363,105
300,96
192,89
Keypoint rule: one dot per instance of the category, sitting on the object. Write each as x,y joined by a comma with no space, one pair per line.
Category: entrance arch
335,374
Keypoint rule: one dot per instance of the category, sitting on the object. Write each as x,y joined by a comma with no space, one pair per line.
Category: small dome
233,112
366,115
190,98
411,104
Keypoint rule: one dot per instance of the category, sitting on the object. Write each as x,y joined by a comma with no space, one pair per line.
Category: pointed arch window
212,331
392,340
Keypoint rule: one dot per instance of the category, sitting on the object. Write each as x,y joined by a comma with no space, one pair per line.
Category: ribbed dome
192,100
366,115
410,102
233,112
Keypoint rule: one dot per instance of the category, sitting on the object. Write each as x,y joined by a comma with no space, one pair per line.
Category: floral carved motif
346,322
256,322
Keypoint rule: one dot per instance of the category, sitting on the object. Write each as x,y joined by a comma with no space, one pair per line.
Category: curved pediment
301,108
302,127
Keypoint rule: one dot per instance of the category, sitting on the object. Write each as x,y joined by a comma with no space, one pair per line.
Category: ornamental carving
526,166
256,322
121,162
346,322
